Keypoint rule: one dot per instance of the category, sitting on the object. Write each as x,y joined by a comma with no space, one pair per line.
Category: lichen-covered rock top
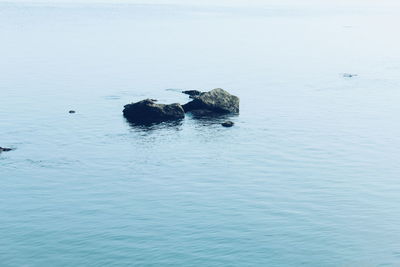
217,100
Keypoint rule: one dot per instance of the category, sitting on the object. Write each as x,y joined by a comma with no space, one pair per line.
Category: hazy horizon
217,2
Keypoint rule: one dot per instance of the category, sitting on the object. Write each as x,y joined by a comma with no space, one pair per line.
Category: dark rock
147,111
227,124
71,111
192,92
216,100
5,149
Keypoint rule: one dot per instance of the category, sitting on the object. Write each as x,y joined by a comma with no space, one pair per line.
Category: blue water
308,176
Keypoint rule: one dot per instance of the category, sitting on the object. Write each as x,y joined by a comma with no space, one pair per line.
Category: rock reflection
150,127
210,118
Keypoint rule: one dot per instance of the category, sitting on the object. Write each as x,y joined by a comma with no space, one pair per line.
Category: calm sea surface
308,176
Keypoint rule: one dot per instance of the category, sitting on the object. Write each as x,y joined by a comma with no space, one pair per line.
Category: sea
309,175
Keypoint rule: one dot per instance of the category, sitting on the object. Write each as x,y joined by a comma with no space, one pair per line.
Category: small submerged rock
5,149
228,124
216,101
147,111
349,75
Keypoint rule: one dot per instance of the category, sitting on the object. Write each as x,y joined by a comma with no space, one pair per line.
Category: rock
192,92
147,111
71,111
4,149
216,100
227,124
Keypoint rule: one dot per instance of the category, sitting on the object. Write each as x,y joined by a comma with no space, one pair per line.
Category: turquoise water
307,177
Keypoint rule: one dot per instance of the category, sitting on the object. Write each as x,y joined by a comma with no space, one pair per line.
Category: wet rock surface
147,111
